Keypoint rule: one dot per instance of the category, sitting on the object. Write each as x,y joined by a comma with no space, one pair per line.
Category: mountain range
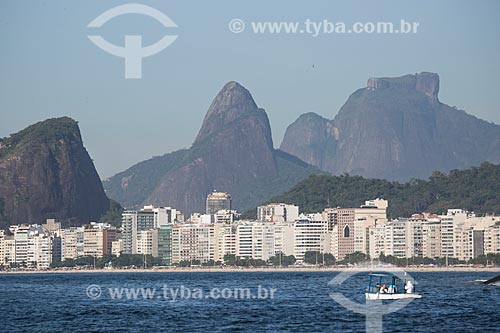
233,152
394,128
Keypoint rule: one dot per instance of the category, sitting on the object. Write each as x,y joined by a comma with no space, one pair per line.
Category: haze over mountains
232,152
394,128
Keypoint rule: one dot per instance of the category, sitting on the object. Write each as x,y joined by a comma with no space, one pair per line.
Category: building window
346,231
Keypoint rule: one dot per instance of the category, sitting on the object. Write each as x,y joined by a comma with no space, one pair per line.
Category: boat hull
375,296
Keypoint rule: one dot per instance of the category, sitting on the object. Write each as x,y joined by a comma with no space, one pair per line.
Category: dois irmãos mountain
232,152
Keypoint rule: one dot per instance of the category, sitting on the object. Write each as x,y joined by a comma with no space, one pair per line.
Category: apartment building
278,213
395,238
224,240
431,238
192,242
149,217
72,243
98,239
255,240
311,234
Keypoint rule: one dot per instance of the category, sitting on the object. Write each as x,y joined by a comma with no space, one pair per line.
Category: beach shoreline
258,269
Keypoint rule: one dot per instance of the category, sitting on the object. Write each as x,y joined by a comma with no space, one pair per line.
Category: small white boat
383,286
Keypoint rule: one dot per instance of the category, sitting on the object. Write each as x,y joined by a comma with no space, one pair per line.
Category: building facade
278,212
217,201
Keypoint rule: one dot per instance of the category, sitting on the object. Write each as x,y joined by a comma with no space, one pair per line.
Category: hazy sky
49,68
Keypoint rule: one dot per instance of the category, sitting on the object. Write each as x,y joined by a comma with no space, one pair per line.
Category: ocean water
452,302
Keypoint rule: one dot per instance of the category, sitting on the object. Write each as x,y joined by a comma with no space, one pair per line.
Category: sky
49,67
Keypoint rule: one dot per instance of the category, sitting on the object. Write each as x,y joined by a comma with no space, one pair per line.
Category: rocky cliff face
395,128
233,152
314,137
45,172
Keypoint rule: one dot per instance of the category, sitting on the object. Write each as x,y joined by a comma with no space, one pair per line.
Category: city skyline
341,233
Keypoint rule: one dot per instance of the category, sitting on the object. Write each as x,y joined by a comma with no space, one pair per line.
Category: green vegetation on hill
290,170
49,130
132,186
475,189
114,214
3,218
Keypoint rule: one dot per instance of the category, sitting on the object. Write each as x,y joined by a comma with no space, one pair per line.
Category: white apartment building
474,243
376,240
93,241
225,240
361,233
226,216
163,215
147,218
116,247
72,245
41,252
277,212
147,242
284,238
334,240
472,236
395,238
192,242
374,209
197,218
451,226
311,234
255,240
21,238
414,237
431,238
29,246
2,247
492,239
10,250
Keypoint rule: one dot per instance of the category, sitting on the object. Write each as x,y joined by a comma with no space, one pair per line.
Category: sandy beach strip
259,269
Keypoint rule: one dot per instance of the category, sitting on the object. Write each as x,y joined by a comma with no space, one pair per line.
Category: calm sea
452,302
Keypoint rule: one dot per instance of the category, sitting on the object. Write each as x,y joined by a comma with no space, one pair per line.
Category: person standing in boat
391,289
409,287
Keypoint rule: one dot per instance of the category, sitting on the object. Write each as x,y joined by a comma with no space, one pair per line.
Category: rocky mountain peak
231,102
425,82
313,135
396,129
233,153
428,83
46,172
